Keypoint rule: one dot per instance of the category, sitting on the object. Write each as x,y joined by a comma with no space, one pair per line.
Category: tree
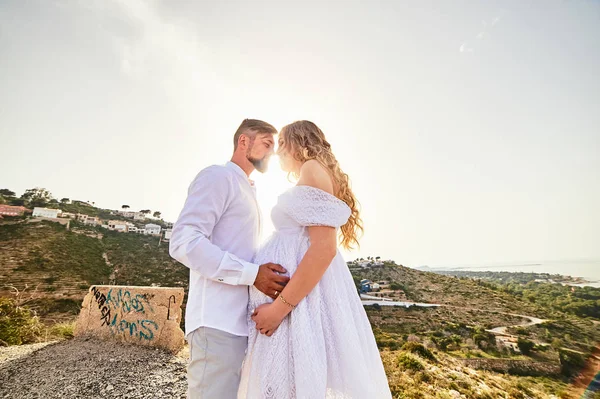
156,214
125,206
396,287
65,201
145,211
525,346
5,192
36,196
571,362
557,343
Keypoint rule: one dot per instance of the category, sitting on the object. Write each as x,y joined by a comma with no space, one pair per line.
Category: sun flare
269,186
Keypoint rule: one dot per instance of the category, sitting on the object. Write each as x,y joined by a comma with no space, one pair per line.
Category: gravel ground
90,368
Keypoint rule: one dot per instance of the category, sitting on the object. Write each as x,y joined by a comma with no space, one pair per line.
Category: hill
52,268
446,351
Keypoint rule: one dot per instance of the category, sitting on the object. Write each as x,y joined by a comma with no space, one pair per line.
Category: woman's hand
269,316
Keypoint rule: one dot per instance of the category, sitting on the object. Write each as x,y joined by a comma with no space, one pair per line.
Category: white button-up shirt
216,236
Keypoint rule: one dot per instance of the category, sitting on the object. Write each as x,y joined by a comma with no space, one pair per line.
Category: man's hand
268,281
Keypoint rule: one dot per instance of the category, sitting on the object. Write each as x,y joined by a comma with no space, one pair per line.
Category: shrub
571,362
62,330
419,349
423,376
18,325
409,363
525,346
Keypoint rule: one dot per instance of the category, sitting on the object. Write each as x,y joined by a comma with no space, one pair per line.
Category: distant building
87,219
168,233
118,225
139,216
132,215
152,229
9,210
46,212
68,215
134,229
92,221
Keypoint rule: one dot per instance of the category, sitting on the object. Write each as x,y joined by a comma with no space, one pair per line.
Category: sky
470,129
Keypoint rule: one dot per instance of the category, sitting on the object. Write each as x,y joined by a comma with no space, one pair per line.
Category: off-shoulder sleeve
310,206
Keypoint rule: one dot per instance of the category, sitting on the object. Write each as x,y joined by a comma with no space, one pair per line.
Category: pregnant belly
286,250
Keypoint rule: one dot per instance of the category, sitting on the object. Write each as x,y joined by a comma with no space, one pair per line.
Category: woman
314,341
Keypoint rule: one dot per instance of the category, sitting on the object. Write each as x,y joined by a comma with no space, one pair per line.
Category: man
216,237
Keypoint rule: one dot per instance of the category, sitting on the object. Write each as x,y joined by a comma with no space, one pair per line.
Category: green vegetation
413,376
56,266
18,325
419,349
571,362
60,253
460,330
542,289
138,260
525,346
426,351
579,301
408,362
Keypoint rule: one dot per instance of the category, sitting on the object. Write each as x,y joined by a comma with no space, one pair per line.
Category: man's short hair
252,125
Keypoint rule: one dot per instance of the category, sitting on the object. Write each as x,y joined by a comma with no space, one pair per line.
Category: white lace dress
325,348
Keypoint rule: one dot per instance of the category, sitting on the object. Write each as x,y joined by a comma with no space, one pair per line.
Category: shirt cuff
249,272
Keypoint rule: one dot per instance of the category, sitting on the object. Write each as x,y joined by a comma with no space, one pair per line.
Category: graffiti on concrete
121,303
123,300
102,306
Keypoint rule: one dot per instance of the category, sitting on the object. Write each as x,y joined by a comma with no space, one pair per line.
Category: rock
148,316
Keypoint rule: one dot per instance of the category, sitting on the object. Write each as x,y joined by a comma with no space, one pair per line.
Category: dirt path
532,322
88,368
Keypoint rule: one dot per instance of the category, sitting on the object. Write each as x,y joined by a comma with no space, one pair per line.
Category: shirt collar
240,172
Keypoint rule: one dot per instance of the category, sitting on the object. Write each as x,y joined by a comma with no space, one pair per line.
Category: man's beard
259,164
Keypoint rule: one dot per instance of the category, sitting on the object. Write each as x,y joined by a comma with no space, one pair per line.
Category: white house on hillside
133,215
68,215
117,225
168,234
152,229
46,213
92,220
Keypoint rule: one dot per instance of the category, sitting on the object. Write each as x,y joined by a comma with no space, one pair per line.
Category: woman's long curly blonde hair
305,141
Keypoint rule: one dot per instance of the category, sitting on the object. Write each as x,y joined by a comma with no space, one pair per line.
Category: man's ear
243,141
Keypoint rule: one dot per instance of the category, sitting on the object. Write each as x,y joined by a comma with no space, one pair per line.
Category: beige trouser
215,363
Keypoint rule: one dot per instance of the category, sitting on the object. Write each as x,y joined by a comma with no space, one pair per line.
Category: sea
588,269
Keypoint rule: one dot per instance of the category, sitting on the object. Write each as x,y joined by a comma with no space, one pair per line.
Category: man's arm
207,200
